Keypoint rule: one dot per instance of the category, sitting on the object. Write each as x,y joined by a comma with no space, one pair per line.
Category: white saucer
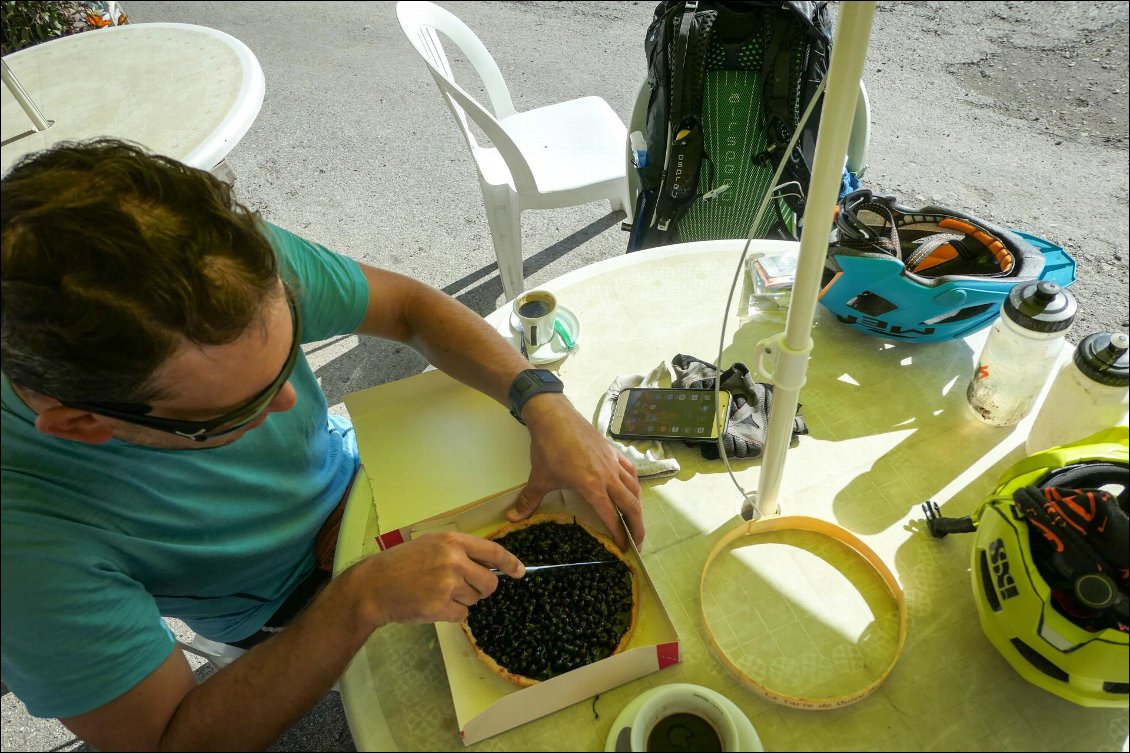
747,735
555,349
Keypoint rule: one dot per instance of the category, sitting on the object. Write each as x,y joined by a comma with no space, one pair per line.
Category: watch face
531,379
544,377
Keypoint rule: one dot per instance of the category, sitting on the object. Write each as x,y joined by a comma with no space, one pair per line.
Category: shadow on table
896,415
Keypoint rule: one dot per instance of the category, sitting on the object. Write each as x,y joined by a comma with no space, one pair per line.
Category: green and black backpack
728,83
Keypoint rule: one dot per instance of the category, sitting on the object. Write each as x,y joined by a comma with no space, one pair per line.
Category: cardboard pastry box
431,446
486,704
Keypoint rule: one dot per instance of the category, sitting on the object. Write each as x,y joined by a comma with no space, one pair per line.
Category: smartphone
660,413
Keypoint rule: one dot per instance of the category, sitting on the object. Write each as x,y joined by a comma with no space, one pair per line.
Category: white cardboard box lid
424,436
486,704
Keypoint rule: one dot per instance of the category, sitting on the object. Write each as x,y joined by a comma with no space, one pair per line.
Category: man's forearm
251,702
451,336
459,342
435,577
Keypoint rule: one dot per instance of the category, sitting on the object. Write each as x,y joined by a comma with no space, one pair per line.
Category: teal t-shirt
101,541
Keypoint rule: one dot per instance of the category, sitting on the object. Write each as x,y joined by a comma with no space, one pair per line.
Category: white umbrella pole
783,359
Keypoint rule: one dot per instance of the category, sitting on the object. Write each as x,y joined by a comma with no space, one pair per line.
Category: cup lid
1041,306
1104,357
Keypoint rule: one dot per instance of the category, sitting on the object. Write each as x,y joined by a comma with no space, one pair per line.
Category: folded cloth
749,409
647,455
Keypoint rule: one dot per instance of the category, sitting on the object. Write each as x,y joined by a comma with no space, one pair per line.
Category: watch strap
528,383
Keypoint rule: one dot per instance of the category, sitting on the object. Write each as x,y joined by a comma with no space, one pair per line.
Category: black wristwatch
529,383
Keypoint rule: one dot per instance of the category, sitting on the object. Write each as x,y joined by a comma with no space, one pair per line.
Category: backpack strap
774,81
778,116
679,182
680,70
853,232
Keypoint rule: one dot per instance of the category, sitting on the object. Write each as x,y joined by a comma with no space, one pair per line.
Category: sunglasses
201,431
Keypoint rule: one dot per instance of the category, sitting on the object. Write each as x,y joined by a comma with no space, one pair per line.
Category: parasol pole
783,358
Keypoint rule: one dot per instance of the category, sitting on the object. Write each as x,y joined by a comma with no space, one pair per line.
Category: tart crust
612,549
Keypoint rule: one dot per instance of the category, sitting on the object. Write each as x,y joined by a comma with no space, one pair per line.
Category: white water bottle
1023,346
1090,393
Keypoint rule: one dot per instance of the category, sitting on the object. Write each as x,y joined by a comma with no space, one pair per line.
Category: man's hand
567,452
436,577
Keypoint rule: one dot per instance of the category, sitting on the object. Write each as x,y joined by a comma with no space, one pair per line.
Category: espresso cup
537,311
683,717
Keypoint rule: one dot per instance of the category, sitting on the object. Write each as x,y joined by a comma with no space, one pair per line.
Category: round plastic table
184,91
889,429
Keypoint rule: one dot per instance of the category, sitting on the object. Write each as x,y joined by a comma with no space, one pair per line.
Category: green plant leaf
24,23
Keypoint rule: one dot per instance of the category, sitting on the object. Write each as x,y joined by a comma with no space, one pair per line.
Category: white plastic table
184,91
889,429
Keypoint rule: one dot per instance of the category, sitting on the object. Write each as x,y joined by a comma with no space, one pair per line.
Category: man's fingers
606,510
625,497
616,528
491,554
466,594
630,507
529,499
629,475
482,580
630,482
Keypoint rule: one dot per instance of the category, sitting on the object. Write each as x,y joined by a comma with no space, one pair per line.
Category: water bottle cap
1040,306
1104,357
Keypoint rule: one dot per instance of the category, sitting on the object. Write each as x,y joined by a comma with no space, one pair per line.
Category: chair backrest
420,21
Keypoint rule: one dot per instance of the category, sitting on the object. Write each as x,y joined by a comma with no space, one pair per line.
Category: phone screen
667,413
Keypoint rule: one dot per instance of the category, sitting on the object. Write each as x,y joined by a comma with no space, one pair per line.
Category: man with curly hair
168,452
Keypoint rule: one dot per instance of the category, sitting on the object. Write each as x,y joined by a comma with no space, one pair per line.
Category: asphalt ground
1016,112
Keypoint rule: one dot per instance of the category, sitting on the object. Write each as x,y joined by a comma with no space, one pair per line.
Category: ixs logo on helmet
998,558
886,328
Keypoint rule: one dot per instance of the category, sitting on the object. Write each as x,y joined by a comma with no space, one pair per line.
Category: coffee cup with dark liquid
682,732
537,311
681,718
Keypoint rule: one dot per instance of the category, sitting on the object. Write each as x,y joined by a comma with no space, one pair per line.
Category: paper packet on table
770,278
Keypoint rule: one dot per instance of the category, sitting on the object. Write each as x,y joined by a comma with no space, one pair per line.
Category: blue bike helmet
929,274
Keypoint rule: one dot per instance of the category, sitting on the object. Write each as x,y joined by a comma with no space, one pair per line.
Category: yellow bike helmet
1049,568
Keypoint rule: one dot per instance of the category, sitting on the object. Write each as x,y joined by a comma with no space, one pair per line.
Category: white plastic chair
860,138
556,156
220,654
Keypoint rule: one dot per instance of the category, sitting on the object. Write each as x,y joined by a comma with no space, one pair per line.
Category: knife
536,568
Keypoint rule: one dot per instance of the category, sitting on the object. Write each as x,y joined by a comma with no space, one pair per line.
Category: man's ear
74,424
